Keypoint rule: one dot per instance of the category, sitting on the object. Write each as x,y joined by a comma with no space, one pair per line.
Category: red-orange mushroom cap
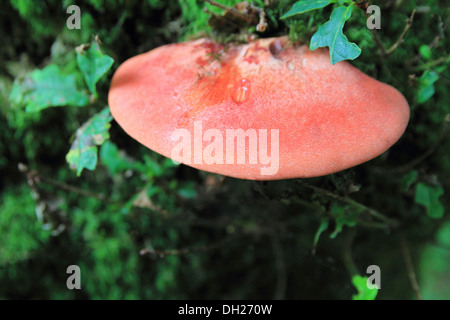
265,110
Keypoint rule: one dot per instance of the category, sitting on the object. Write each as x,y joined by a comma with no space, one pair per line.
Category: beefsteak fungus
265,110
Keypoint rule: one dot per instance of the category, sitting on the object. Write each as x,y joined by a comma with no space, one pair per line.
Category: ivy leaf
93,64
364,293
426,86
428,196
305,6
48,88
330,35
93,133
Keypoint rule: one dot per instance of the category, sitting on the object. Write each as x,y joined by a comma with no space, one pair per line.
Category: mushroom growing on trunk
265,110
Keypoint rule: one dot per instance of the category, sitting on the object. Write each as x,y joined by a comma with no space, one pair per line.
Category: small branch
371,224
183,251
384,51
378,42
409,266
418,56
433,44
400,39
34,177
432,64
372,212
143,201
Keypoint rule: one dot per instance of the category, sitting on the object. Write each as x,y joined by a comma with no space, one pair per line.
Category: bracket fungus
265,110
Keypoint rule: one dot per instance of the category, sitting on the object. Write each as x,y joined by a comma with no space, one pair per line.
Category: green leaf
425,51
116,160
323,226
408,179
93,64
83,152
364,293
428,196
330,35
426,86
344,216
46,88
305,6
156,168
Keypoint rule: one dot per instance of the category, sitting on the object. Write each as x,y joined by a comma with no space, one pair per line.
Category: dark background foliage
140,227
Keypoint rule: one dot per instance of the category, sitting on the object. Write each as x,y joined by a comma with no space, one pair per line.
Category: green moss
21,232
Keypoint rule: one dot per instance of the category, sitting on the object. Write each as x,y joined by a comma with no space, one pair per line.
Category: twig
432,44
35,177
418,56
432,64
372,224
409,266
384,51
143,201
183,251
400,39
378,42
372,212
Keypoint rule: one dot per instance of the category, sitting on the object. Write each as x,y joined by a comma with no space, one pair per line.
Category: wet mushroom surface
297,114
